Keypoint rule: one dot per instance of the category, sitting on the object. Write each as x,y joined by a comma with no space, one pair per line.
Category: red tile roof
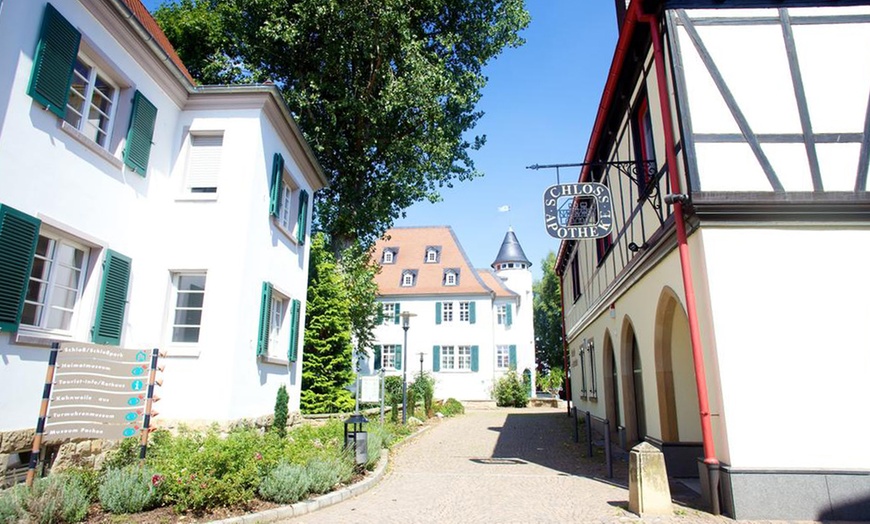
411,244
150,25
493,282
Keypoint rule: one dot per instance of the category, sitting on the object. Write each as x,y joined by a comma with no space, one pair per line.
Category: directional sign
59,432
128,416
589,213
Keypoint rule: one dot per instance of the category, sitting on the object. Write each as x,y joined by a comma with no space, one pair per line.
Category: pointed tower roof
510,251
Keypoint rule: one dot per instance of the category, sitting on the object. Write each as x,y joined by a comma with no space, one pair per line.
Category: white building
140,210
470,326
724,319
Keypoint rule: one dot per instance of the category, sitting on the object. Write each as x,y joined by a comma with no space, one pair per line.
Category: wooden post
143,440
43,410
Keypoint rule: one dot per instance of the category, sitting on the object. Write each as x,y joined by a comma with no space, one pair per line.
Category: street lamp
406,320
421,363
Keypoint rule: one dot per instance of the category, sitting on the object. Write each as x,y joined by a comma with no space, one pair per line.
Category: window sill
90,144
26,336
181,351
290,236
197,197
266,359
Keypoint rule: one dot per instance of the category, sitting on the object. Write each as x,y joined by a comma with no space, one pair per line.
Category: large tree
548,316
383,90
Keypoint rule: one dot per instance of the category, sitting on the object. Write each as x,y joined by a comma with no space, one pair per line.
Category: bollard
608,453
576,425
589,432
648,490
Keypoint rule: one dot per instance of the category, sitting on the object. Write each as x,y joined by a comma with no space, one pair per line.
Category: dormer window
451,277
433,254
389,255
409,278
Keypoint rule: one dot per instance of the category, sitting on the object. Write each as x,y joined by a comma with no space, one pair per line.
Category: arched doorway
611,385
675,372
632,379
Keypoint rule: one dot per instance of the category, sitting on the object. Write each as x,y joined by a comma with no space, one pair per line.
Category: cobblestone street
497,466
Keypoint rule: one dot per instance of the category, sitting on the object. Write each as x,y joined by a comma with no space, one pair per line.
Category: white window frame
447,312
279,325
288,216
448,358
388,312
502,357
174,307
450,278
388,256
463,358
94,73
407,279
393,351
501,314
465,311
202,171
431,256
52,286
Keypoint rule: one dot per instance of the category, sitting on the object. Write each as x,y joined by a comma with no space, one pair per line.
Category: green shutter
19,234
53,62
437,312
302,217
295,306
113,299
265,319
475,359
512,356
140,134
397,358
508,315
379,316
397,313
275,188
472,313
436,358
377,358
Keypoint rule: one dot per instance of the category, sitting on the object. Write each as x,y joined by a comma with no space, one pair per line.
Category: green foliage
385,92
509,391
126,454
551,381
279,424
359,270
547,308
393,395
129,490
324,474
88,478
450,407
55,499
328,353
285,484
424,389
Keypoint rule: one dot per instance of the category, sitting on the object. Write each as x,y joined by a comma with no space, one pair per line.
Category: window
449,278
65,83
189,292
448,357
388,257
56,283
504,315
575,275
644,146
456,358
593,387
409,278
502,357
463,357
390,354
389,313
447,312
90,107
275,332
204,161
283,192
433,255
464,312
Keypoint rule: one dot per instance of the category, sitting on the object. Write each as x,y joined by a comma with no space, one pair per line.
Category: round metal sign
586,211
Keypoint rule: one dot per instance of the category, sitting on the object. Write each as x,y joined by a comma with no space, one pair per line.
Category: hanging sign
578,211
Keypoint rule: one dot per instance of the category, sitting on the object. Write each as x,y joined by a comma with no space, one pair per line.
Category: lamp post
421,362
406,320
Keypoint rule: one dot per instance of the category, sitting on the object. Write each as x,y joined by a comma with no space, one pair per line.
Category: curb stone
327,499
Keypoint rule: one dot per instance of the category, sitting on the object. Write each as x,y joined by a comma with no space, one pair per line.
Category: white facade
769,162
466,338
199,215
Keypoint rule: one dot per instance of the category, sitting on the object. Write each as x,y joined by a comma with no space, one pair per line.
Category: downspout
685,261
568,395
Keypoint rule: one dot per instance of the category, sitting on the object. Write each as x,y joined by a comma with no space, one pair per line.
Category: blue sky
540,103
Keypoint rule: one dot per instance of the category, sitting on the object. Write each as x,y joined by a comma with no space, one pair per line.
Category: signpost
93,391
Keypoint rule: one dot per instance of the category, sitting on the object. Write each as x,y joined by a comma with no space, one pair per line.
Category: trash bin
356,438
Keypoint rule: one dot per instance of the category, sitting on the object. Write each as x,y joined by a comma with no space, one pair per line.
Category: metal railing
589,419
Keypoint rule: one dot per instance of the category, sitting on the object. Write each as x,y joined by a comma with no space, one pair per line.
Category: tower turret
511,255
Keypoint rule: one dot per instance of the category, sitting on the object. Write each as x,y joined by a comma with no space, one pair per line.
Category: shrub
393,395
509,391
326,473
451,407
55,499
129,490
285,484
424,388
127,452
279,424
